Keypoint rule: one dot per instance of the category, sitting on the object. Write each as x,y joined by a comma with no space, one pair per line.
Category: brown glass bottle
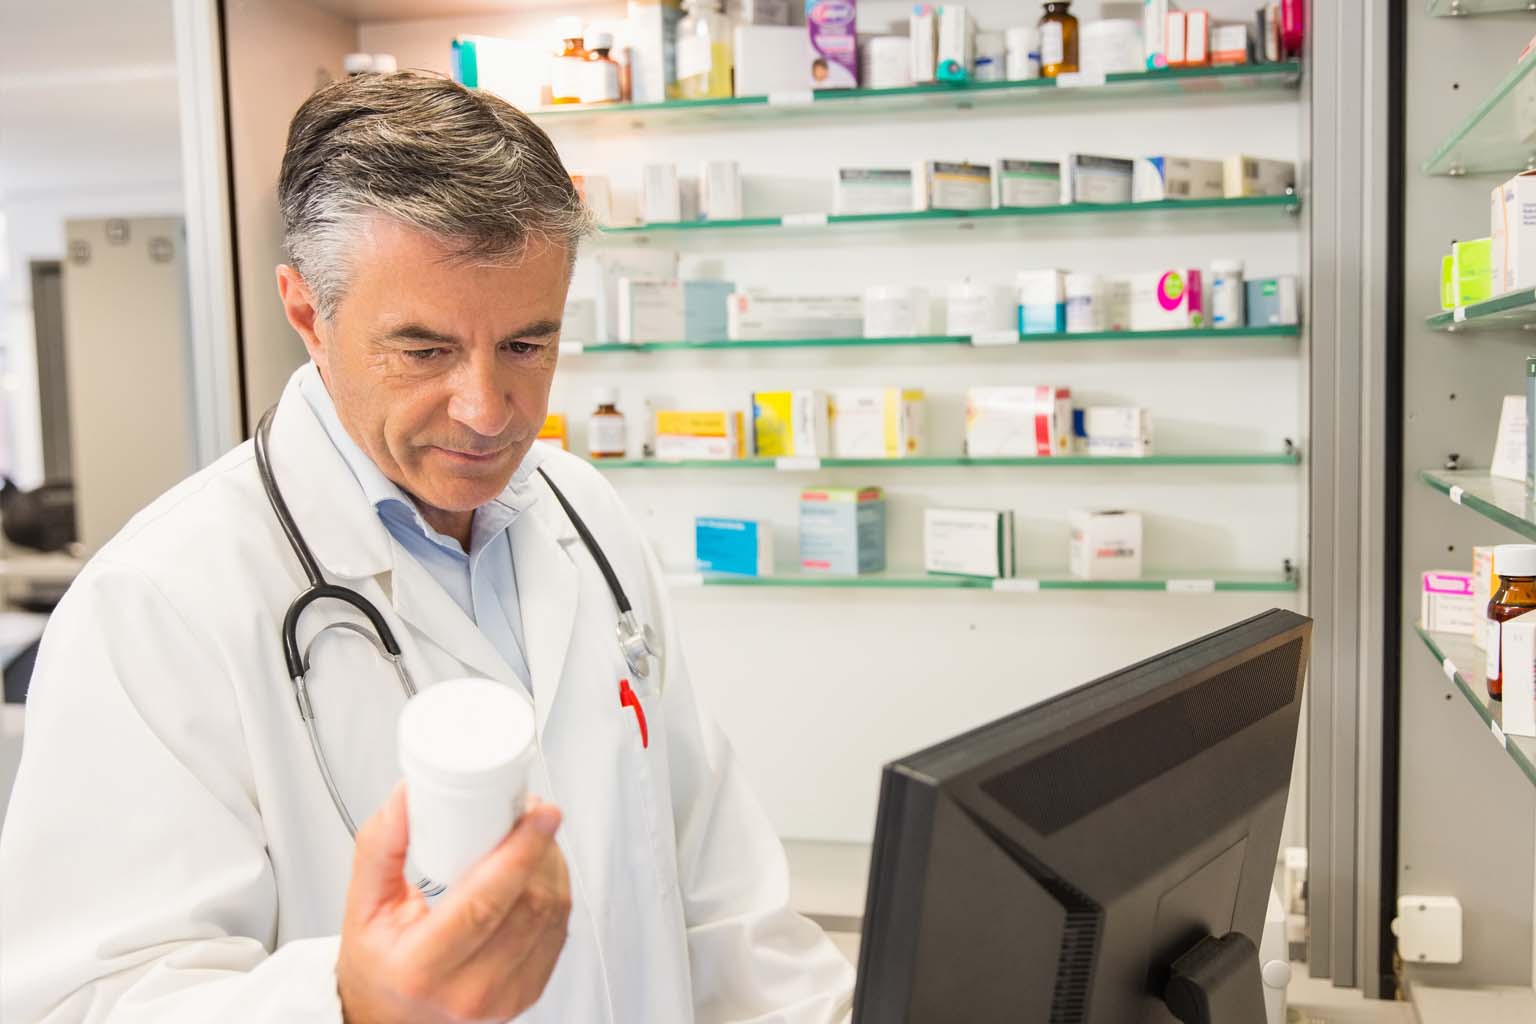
1514,596
1058,39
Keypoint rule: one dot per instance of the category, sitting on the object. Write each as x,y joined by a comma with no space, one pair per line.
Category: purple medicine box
834,45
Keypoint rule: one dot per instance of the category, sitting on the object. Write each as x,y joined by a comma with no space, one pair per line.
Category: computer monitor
1056,865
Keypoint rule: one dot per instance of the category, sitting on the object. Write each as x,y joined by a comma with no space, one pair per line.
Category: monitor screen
1054,865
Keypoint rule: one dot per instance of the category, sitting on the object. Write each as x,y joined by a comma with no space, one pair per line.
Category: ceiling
86,108
410,10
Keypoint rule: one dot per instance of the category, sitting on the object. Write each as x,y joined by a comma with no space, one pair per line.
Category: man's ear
299,306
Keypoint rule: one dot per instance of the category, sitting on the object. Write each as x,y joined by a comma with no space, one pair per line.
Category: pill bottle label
1051,49
606,436
1492,638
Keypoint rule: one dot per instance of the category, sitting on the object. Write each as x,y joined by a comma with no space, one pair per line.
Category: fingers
514,878
378,862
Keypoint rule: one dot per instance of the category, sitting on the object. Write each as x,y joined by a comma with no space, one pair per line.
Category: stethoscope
636,641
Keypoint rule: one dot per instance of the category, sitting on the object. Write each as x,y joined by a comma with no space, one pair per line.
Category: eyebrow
421,332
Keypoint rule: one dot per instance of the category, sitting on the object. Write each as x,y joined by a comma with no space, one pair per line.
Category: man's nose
480,401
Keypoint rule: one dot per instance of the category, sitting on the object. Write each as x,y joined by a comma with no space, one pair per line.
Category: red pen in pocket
627,699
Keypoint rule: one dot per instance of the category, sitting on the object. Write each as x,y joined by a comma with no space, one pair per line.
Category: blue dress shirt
482,581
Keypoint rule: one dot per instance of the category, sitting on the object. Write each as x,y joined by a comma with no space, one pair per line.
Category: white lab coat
170,852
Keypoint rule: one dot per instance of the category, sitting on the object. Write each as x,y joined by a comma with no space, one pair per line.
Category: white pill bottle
466,747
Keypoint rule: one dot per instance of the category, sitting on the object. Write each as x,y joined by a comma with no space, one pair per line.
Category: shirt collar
392,504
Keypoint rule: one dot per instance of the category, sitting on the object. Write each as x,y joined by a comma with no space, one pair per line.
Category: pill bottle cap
606,396
385,64
568,28
1515,559
466,732
1226,266
357,63
598,41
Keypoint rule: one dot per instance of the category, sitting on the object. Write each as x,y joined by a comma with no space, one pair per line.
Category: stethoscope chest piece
640,647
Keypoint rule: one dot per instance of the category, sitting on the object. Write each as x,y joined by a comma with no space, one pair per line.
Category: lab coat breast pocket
643,765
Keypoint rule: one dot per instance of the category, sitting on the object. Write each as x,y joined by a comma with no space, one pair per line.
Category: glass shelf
1492,138
1508,312
1461,8
1193,334
804,223
1192,583
1503,501
1052,461
1174,82
1463,662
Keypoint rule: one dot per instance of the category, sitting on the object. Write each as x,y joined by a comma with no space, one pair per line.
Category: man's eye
423,355
522,348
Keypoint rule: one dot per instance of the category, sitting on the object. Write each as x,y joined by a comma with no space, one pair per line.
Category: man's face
440,369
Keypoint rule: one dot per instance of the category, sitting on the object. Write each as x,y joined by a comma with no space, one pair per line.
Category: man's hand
483,953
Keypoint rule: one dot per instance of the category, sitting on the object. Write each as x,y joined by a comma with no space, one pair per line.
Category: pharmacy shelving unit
1027,582
1467,792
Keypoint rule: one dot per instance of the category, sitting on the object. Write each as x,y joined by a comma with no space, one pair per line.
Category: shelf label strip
1450,669
1498,734
1456,493
797,463
571,348
804,220
986,338
1080,79
1460,315
686,579
1014,586
1191,586
791,98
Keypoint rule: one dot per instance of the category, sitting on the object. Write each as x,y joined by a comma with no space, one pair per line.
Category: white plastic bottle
466,747
1227,293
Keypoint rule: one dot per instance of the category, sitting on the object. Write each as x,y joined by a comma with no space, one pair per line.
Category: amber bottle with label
1058,39
1514,596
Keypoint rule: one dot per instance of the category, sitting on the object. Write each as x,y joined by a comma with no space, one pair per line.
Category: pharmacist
172,851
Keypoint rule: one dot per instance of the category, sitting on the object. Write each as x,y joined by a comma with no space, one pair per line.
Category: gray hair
465,167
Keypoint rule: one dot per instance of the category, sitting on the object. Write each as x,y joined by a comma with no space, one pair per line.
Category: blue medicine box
742,547
706,310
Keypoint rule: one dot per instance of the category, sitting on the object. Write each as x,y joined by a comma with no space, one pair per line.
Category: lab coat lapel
432,612
547,592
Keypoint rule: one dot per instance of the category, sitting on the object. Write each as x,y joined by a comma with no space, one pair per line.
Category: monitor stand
1217,982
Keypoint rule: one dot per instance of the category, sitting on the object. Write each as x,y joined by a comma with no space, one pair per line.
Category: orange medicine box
554,430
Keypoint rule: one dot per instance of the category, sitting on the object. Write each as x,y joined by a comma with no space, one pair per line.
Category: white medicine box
1512,230
1106,544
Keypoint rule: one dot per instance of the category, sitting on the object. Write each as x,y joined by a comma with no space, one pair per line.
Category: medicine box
877,423
791,423
1518,658
1271,301
770,59
637,265
652,28
650,311
1471,271
1448,603
757,316
707,310
923,31
1244,176
1106,544
1042,301
842,531
1018,422
742,547
834,57
597,194
1097,179
956,186
555,431
1229,44
979,309
713,435
1512,228
1172,177
861,190
1120,431
1530,424
1484,582
661,198
1167,300
968,542
1025,183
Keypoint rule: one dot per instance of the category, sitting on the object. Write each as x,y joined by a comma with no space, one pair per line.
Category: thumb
378,863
